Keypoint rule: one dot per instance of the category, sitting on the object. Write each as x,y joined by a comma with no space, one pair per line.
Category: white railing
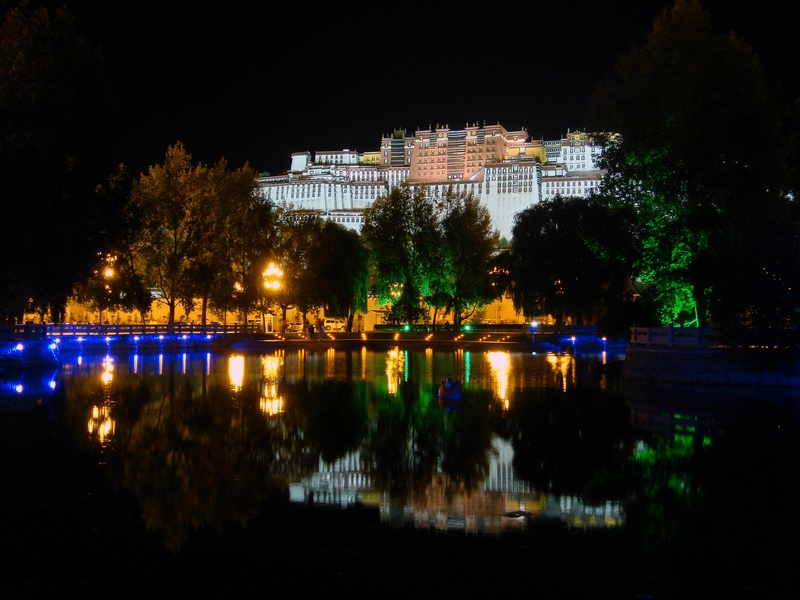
672,337
44,330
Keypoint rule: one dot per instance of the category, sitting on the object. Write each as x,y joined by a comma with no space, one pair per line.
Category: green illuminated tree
468,242
402,234
701,158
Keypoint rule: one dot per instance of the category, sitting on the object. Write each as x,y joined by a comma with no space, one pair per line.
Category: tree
468,241
234,215
401,233
56,132
298,232
101,289
130,286
341,264
173,211
248,239
567,259
701,158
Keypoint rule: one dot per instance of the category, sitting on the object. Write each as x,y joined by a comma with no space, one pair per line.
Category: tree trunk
203,309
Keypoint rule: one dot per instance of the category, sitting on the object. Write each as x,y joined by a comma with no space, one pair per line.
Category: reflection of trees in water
403,455
467,443
413,443
710,464
573,442
199,454
185,458
332,416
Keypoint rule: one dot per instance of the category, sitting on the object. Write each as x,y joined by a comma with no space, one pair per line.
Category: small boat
450,390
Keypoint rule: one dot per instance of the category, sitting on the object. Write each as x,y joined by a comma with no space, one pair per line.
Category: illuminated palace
507,170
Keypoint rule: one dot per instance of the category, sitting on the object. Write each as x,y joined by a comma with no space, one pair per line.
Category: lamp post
106,292
273,276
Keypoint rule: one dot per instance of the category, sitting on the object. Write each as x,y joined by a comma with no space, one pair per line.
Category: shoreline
775,367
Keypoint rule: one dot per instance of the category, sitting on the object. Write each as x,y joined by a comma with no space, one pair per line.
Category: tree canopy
468,242
57,132
185,212
341,264
568,259
401,232
436,252
702,158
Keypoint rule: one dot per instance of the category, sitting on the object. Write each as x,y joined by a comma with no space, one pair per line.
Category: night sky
255,81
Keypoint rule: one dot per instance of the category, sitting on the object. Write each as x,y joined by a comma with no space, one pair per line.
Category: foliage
246,241
298,232
238,241
341,264
401,232
701,158
468,243
566,259
99,290
172,210
57,129
423,250
199,232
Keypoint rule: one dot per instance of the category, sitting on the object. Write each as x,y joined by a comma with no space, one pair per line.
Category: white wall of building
339,188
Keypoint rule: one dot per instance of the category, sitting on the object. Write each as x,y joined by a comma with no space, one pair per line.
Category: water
222,473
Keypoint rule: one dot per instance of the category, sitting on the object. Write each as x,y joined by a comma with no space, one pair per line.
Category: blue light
136,338
467,327
406,327
20,347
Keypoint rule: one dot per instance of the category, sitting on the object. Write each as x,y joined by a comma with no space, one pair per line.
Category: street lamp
272,283
272,277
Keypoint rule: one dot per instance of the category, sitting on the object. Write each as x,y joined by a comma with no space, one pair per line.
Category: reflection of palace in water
501,502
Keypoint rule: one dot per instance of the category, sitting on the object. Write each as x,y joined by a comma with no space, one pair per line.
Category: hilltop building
507,170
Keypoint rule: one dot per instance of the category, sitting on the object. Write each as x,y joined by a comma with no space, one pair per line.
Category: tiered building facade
506,170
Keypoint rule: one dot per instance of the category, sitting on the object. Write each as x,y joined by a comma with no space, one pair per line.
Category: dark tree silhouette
55,147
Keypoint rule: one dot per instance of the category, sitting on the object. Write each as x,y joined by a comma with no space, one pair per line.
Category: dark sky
255,81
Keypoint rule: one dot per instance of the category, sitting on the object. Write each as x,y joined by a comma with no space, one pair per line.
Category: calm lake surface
223,473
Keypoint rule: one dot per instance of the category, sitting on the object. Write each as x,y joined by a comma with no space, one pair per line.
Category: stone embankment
719,366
